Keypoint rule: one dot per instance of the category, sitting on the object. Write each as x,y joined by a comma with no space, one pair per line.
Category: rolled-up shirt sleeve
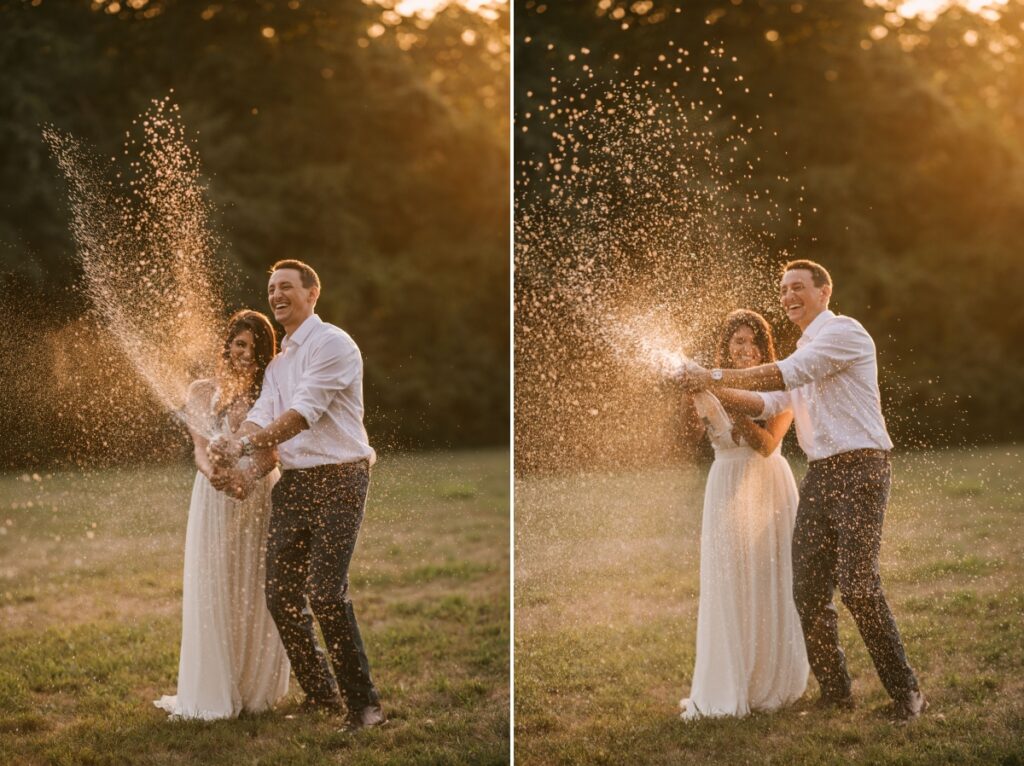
838,346
333,367
774,403
262,411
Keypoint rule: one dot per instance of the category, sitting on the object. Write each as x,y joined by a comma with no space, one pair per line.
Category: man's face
290,302
800,299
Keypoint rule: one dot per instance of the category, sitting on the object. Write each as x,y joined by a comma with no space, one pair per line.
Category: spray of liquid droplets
635,236
147,252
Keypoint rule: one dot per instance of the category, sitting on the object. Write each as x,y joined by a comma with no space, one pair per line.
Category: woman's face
743,350
241,351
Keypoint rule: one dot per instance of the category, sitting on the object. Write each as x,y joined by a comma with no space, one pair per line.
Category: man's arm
840,344
764,377
281,429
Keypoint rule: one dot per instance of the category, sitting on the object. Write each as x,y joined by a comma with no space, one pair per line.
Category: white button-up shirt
319,374
832,387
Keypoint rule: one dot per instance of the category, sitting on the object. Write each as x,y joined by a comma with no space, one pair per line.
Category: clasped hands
692,377
226,477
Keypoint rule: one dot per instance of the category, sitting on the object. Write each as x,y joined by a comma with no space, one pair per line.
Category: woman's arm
764,439
740,402
199,395
202,459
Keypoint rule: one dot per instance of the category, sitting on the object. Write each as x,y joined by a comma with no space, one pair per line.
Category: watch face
716,374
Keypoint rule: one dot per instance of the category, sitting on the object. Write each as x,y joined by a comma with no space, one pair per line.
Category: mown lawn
90,598
606,604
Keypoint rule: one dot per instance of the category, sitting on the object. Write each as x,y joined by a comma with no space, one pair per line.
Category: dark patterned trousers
836,541
314,522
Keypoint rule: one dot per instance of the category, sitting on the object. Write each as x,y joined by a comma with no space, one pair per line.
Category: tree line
903,139
371,145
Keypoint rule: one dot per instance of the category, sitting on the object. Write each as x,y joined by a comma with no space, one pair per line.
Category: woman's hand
224,451
232,482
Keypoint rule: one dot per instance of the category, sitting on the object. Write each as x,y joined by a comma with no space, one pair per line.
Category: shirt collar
815,327
299,337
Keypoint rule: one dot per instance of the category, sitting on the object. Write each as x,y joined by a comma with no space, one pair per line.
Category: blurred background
891,136
369,139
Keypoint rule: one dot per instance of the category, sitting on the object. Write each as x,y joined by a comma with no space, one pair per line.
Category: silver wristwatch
247,446
716,375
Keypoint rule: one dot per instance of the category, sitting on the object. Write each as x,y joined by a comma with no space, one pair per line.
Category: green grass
90,599
607,575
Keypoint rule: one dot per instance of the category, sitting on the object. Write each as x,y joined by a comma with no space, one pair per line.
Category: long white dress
750,647
232,658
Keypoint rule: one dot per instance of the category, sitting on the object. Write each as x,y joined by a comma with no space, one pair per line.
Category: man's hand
693,378
224,451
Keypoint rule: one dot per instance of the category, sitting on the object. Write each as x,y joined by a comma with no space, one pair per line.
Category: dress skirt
232,658
750,647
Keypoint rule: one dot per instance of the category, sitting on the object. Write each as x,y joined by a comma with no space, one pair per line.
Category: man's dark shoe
327,706
827,702
909,709
371,715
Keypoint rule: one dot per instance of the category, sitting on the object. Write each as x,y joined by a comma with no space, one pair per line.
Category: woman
232,658
750,649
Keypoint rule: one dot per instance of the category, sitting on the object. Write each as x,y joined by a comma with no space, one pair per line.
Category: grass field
606,606
90,599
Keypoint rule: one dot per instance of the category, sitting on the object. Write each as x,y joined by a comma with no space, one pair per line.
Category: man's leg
288,543
814,581
858,523
338,513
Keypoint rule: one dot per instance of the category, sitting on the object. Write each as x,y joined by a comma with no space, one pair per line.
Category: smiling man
311,407
831,384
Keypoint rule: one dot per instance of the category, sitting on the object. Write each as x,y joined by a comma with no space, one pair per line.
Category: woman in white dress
750,648
232,658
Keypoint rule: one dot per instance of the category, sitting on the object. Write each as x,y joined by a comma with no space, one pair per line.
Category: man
311,405
831,383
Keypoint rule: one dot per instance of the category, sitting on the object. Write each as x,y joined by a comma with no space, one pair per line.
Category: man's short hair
308,277
819,275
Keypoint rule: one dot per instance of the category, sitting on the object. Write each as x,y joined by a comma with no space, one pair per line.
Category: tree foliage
904,139
373,146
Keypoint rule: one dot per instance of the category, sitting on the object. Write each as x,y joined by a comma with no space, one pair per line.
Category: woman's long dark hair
264,343
762,336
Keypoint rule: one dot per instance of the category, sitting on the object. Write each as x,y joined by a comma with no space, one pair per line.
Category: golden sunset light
428,9
931,9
